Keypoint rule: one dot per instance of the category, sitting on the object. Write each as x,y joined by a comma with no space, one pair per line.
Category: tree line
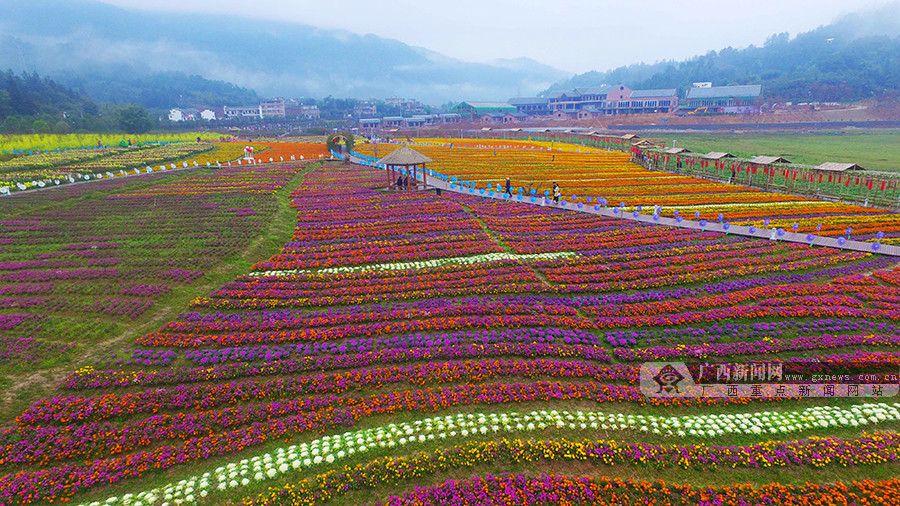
31,104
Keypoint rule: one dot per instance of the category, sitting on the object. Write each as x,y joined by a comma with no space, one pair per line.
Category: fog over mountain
73,40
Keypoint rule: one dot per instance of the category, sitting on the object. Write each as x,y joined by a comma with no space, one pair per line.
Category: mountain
856,57
86,38
157,90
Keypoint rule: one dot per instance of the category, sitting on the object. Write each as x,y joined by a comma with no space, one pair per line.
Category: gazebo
408,159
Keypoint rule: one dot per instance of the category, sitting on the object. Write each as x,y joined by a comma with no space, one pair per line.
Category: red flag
754,169
794,175
820,178
830,176
882,186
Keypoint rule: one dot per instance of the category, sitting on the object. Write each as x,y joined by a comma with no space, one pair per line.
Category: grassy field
872,149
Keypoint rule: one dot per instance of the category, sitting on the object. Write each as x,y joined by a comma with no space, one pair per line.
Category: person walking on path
557,193
508,188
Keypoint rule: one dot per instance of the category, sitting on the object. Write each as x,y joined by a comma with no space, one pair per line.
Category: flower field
413,348
589,173
51,168
82,264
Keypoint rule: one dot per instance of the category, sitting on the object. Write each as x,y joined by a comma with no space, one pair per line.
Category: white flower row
329,449
423,264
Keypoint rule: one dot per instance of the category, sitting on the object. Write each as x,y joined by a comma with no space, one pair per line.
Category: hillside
86,37
831,63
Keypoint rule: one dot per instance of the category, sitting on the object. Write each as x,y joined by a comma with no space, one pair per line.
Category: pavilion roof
717,155
838,167
404,156
769,159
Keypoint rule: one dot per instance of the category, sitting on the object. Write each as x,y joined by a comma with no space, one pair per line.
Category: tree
134,119
61,127
40,127
11,125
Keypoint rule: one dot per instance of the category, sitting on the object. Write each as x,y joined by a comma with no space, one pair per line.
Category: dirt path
500,242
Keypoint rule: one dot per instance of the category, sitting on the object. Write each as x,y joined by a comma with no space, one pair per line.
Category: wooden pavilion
405,159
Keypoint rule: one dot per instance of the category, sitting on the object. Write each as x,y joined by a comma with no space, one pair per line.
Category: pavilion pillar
424,177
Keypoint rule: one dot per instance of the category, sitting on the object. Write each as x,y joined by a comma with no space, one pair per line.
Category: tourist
399,182
557,193
508,188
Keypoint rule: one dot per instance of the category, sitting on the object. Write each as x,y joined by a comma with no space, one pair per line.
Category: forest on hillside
821,65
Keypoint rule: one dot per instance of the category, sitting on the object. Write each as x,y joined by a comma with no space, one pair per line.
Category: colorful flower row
816,452
283,462
521,490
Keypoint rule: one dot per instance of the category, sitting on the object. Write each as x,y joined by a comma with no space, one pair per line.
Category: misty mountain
856,57
157,90
83,39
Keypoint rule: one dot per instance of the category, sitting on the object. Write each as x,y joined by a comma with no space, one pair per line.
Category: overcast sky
572,35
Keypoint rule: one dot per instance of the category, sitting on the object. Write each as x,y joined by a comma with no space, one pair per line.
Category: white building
208,115
251,111
183,114
309,111
272,108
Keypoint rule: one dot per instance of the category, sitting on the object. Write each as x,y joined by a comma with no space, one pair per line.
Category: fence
857,187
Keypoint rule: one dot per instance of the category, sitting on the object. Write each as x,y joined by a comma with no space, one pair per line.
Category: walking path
613,212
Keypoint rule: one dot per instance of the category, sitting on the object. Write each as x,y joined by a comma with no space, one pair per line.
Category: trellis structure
846,182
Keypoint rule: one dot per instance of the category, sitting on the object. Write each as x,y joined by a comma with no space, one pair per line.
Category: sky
571,35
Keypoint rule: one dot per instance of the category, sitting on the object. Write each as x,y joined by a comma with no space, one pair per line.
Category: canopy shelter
768,160
677,151
717,155
838,167
408,160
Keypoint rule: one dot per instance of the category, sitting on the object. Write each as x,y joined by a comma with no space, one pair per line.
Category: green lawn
872,149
